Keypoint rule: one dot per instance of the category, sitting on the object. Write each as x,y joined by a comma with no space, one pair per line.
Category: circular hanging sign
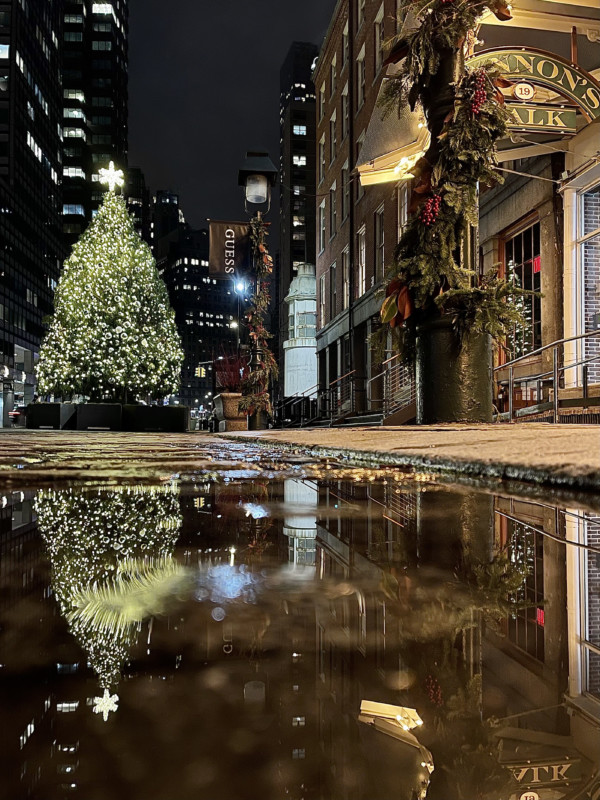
524,91
530,796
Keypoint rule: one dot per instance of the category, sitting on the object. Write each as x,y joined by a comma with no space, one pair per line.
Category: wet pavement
185,616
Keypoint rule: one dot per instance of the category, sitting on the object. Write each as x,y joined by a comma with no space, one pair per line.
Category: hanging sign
542,118
230,249
539,68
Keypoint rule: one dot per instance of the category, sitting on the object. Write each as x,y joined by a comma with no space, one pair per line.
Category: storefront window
523,265
589,257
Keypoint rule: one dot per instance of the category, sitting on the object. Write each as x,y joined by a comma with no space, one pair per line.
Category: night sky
204,88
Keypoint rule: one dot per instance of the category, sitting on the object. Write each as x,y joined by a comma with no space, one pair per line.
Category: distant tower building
297,120
300,345
30,175
137,196
205,307
94,104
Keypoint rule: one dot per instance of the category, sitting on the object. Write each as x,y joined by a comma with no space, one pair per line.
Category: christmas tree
113,334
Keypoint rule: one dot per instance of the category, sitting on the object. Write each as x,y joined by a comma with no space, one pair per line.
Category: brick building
357,226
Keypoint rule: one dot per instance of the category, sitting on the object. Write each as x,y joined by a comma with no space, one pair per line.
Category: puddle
297,628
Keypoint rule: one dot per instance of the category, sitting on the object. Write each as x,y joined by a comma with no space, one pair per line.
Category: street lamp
258,175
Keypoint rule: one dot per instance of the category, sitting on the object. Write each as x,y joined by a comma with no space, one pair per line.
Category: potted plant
445,311
230,371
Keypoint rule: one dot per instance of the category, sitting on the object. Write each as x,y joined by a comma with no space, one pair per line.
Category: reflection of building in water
362,542
536,675
300,525
24,585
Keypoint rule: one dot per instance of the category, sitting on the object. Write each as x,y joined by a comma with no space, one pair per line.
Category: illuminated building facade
30,176
205,307
297,172
94,123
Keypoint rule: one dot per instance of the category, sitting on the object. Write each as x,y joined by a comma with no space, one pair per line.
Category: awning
392,145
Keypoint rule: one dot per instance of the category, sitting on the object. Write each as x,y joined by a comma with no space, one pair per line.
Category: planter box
453,378
57,416
99,417
165,419
226,406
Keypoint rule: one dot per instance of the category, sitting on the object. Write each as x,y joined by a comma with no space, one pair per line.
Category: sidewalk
558,456
566,456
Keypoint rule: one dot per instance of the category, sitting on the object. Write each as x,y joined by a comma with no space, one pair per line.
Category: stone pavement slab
566,456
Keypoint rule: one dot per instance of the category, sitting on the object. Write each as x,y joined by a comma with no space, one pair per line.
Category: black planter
99,417
453,378
165,419
258,421
58,416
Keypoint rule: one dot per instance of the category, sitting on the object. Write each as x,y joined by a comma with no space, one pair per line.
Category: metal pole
511,387
555,382
585,382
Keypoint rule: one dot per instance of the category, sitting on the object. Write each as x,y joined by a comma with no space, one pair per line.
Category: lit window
73,209
74,133
73,36
101,44
74,94
299,161
298,752
66,708
299,130
4,50
73,113
73,172
103,8
298,722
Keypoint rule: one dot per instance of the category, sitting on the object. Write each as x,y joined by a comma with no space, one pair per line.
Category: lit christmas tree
113,335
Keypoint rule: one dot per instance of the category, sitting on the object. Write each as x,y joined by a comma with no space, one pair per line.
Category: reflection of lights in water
255,510
218,614
223,582
105,704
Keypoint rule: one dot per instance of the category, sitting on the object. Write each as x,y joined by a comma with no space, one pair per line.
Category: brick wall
590,254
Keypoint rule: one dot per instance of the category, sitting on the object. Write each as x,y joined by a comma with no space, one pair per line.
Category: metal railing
300,409
340,396
544,387
397,384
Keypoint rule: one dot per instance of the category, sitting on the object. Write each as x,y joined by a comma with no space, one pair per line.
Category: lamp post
258,175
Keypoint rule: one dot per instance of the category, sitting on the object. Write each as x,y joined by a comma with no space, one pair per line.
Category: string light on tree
113,335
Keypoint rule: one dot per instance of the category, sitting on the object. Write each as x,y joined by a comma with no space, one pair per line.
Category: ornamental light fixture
257,175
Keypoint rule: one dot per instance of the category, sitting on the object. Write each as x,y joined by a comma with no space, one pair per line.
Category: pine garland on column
466,117
255,385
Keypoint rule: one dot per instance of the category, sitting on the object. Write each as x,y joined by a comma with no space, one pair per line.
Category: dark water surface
329,634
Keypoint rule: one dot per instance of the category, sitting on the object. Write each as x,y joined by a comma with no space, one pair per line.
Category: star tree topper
105,704
111,176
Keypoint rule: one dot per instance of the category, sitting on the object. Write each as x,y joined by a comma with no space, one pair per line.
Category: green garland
466,117
255,386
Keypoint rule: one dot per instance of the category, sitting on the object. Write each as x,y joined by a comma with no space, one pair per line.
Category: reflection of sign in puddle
546,773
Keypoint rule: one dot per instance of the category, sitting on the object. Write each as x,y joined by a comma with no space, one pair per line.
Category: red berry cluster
480,94
431,209
434,690
445,2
